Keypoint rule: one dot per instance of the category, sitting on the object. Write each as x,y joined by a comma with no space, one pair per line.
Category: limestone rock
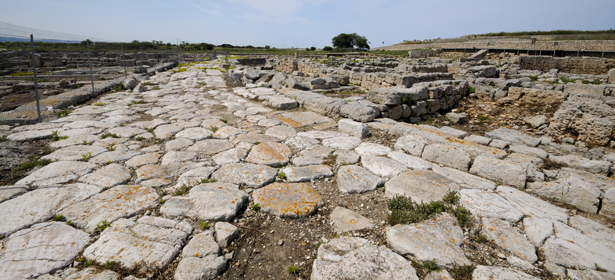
342,143
115,203
195,133
40,249
506,237
494,272
383,167
410,161
58,172
438,240
532,206
353,128
447,155
464,179
356,258
250,175
269,154
225,233
421,185
288,200
74,153
108,176
212,201
371,149
307,173
507,172
411,144
344,220
356,179
150,243
8,192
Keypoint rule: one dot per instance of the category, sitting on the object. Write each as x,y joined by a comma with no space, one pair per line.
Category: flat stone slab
193,176
269,154
290,200
282,132
231,156
253,138
465,180
8,192
512,136
506,237
447,155
438,240
40,205
522,149
126,132
148,172
177,144
478,139
114,156
145,159
225,233
115,203
250,175
495,272
356,179
411,144
75,153
210,147
32,135
574,192
40,249
345,157
301,143
317,134
382,167
149,243
371,149
195,133
299,119
344,220
307,173
507,172
421,185
410,161
166,131
353,128
594,230
74,141
213,201
342,143
490,205
177,156
593,166
108,176
57,173
537,230
358,258
531,205
200,259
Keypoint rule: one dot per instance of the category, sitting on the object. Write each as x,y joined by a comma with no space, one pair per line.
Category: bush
327,49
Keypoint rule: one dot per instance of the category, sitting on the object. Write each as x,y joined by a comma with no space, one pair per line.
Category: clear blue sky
302,23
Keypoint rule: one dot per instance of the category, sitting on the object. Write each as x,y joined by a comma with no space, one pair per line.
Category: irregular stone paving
42,248
125,159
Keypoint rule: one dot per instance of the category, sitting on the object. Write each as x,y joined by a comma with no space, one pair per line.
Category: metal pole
38,108
123,60
87,42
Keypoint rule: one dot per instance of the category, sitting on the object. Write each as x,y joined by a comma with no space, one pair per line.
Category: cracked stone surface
289,200
213,201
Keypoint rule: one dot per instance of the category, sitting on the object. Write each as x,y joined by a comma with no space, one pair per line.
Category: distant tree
225,46
313,48
135,42
327,49
86,42
348,41
267,47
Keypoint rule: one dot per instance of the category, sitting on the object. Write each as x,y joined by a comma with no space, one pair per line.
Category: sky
302,23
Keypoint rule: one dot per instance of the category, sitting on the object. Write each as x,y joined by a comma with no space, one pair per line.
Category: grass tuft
59,218
256,207
101,226
204,225
292,269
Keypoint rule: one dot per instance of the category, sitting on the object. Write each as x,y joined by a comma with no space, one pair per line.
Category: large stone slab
40,249
115,203
307,173
513,136
166,131
490,205
281,132
126,132
411,144
230,156
504,273
108,176
40,205
410,161
145,159
344,220
421,185
74,153
594,230
464,180
571,191
532,206
114,156
177,156
214,201
269,154
195,133
57,173
357,258
148,172
371,149
356,179
593,166
507,172
438,240
342,143
200,259
290,200
210,147
506,237
177,144
383,167
250,175
537,230
148,244
447,155
8,192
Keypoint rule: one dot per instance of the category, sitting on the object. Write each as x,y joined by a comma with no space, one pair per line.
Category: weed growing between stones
204,225
150,130
107,162
98,104
55,136
3,139
214,129
137,102
101,226
109,264
111,147
431,266
87,156
206,181
462,272
281,175
223,120
478,237
63,113
184,189
256,207
406,211
85,142
59,218
599,268
88,263
330,160
107,135
293,269
119,87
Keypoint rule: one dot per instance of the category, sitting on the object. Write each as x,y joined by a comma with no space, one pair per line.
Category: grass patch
223,120
214,129
462,272
206,181
471,90
478,237
88,263
137,102
59,218
330,159
492,84
599,268
406,211
256,207
482,117
87,157
55,136
107,135
156,88
184,189
119,87
430,266
99,104
281,175
63,113
33,162
111,147
292,269
101,226
110,264
204,225
534,78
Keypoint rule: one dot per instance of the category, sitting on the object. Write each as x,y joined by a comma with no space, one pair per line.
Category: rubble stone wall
594,66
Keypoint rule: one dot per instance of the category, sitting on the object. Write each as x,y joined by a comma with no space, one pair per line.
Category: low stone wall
589,45
594,66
